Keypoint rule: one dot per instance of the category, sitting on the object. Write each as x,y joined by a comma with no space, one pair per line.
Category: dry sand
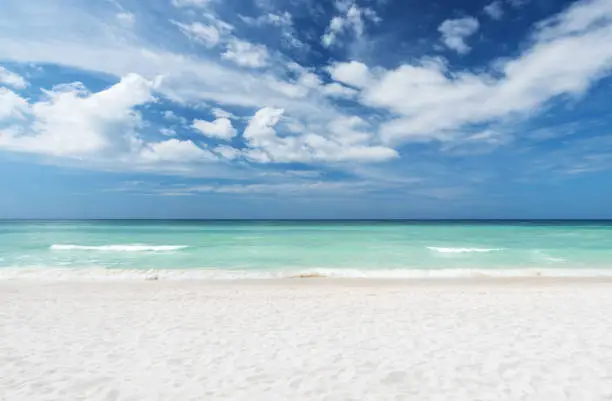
315,339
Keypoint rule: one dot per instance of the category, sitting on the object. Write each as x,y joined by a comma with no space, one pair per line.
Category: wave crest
463,250
118,248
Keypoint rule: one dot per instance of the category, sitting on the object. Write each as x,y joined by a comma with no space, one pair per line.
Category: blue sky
305,109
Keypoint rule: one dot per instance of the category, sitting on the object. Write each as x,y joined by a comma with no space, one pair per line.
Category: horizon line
311,219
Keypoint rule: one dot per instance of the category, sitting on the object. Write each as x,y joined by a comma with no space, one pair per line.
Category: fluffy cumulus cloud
174,151
344,142
568,53
12,105
12,79
71,121
221,128
456,31
353,73
273,109
351,19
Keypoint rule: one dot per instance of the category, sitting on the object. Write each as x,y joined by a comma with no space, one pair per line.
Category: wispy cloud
494,10
246,54
518,3
568,54
206,34
225,82
126,18
192,3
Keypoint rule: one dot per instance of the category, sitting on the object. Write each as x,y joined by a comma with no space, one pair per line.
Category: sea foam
118,248
104,274
463,250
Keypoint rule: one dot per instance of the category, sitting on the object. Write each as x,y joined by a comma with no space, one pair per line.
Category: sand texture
320,340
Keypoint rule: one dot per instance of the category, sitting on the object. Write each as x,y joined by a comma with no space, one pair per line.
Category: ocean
272,249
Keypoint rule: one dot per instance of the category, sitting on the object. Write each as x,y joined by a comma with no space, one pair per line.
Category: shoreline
314,286
51,274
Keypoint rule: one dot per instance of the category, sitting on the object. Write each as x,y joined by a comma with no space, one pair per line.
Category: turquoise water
260,248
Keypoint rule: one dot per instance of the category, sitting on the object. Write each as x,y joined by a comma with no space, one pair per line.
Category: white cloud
337,90
284,21
192,81
352,73
191,3
227,152
305,83
262,124
348,130
246,54
189,79
167,132
220,128
416,101
580,18
12,105
70,121
517,3
289,89
220,113
336,25
343,145
494,10
173,117
568,53
279,188
174,151
352,19
205,34
126,18
456,31
12,79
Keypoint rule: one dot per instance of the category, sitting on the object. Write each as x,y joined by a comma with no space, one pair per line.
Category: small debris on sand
309,275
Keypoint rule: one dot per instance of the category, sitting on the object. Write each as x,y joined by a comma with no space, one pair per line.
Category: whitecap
553,259
118,248
463,250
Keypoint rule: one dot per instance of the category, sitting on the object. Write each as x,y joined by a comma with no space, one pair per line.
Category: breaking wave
103,274
463,250
119,248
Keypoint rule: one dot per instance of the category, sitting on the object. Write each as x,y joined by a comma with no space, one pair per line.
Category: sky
364,109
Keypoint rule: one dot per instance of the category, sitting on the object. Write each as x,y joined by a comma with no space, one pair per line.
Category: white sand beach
318,339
